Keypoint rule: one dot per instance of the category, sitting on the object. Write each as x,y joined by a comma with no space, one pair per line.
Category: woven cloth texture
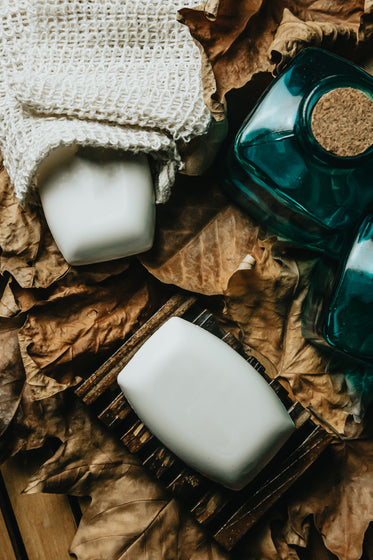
107,73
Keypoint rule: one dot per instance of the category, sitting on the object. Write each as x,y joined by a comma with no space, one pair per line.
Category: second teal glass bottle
338,310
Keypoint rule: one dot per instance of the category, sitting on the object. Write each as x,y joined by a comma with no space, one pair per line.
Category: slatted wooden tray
226,514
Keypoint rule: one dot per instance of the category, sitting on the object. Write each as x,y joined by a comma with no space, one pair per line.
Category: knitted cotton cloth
111,73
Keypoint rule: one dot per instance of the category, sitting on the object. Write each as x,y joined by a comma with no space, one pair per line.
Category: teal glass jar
282,175
338,310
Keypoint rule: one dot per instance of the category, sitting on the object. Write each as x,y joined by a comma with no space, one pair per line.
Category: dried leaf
79,323
237,35
265,302
335,496
258,298
77,281
339,496
293,35
24,424
200,240
12,377
366,29
8,304
32,423
307,369
130,516
29,253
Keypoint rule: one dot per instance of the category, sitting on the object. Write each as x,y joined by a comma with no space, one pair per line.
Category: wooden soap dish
226,514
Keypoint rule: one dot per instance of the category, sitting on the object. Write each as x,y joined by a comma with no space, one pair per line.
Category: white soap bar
97,210
205,403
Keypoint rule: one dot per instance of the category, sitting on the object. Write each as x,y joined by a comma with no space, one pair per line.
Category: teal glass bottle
338,310
279,173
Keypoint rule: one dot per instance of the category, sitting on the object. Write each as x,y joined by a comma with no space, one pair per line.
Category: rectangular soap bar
98,210
205,403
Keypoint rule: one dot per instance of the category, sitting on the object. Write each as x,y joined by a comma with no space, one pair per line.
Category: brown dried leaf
335,496
24,424
293,35
237,35
29,253
8,304
258,298
130,516
200,240
366,29
306,369
78,323
12,377
32,423
265,303
338,493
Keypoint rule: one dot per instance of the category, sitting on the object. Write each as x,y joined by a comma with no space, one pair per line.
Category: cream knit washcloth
110,73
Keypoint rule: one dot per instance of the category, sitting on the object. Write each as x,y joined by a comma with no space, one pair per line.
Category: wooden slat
116,412
137,437
161,463
45,521
209,506
6,548
298,414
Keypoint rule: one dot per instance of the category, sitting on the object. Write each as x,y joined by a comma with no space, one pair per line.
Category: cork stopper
342,121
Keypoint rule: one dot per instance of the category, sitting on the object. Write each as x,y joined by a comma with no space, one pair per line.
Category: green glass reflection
278,172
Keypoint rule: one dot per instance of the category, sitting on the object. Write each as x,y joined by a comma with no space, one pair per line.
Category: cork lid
342,121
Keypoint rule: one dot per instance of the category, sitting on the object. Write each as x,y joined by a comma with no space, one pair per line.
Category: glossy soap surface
205,403
98,209
279,172
339,307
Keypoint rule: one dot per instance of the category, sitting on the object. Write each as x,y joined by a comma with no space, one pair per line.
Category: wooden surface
226,514
6,548
32,526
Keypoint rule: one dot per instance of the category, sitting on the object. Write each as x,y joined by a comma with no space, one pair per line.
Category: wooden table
33,526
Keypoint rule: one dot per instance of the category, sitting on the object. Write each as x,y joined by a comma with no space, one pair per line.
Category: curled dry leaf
130,516
78,281
237,35
33,422
308,370
8,304
12,377
24,424
66,334
341,500
200,239
366,30
257,299
293,35
29,253
265,302
334,495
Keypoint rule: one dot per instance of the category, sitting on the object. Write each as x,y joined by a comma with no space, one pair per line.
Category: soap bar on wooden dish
205,403
99,204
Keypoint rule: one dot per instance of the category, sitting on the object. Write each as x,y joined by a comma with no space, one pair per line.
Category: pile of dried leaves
58,323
